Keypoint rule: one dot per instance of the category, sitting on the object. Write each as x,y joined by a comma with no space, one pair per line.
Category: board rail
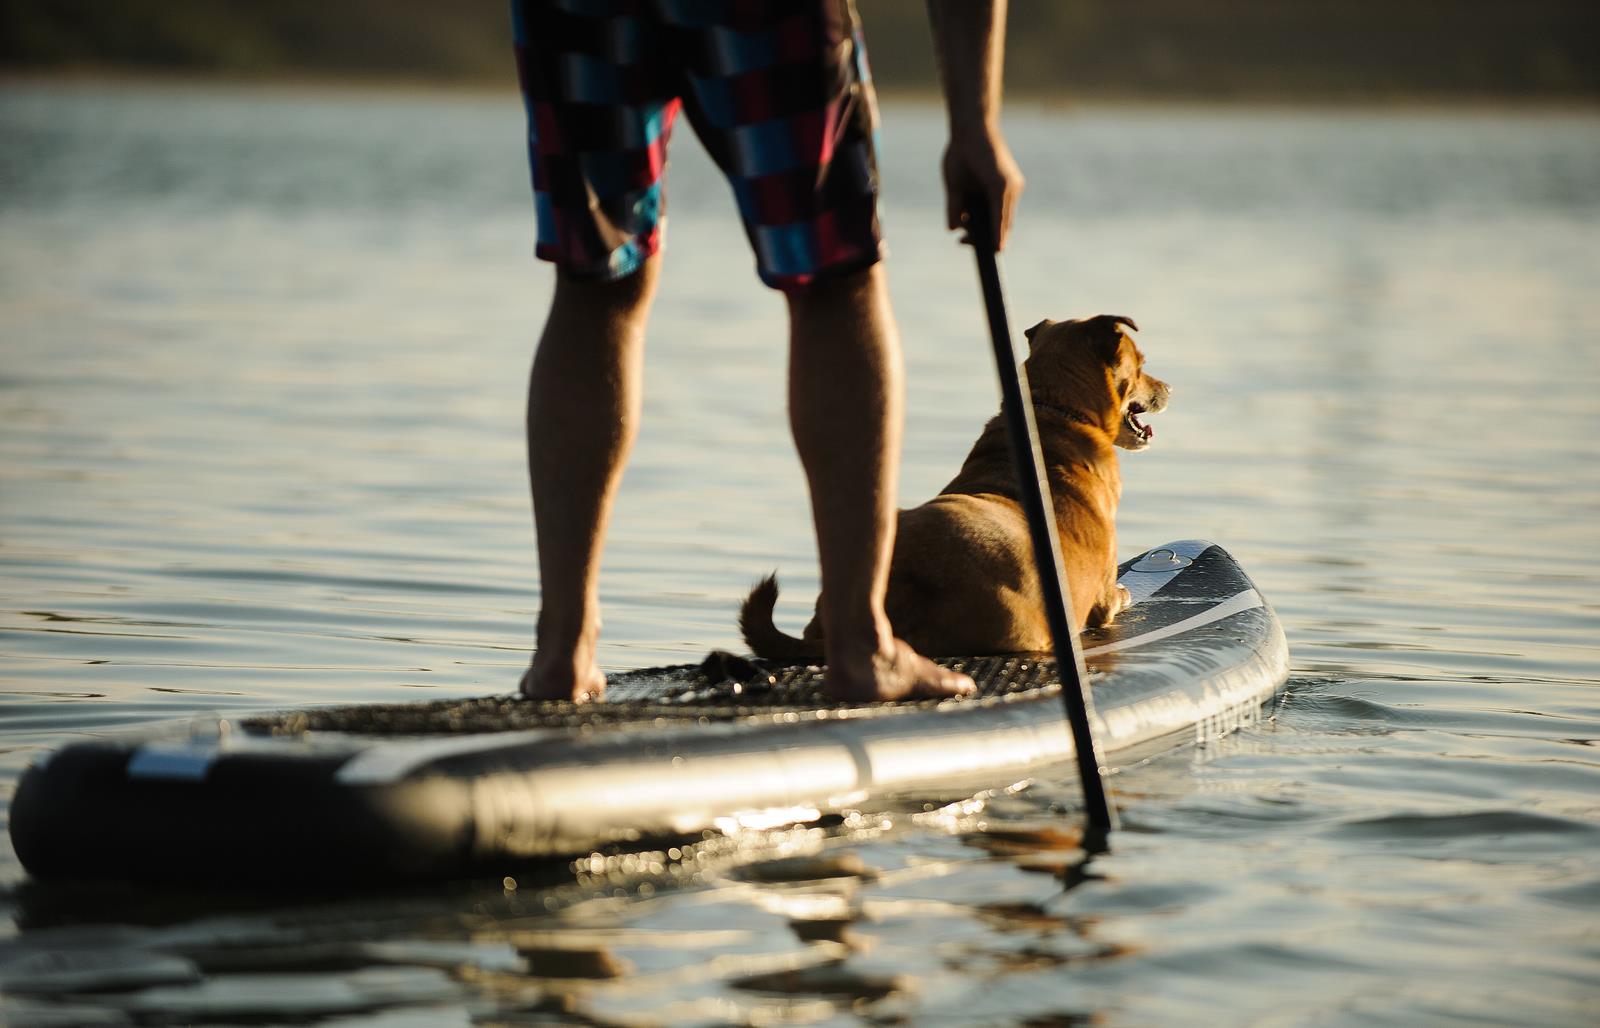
456,787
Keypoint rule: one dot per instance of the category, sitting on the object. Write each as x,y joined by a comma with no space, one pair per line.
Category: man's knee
615,298
855,291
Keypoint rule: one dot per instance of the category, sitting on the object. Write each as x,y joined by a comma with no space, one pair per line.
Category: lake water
262,355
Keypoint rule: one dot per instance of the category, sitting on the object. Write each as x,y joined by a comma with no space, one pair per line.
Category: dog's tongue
1138,426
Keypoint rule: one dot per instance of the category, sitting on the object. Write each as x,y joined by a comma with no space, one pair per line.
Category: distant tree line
1204,49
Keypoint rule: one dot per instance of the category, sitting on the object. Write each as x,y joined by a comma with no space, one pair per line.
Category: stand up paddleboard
460,787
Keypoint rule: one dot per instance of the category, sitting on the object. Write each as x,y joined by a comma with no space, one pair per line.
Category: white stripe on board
192,759
186,761
390,762
1247,600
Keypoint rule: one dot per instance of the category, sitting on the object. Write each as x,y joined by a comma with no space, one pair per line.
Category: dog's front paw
1104,612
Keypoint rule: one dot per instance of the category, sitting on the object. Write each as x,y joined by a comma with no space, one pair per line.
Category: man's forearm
969,41
969,37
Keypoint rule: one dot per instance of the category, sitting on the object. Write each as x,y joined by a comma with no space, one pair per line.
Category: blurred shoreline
1308,52
1017,98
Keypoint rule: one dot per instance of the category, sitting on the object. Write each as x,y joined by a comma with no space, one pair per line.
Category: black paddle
1034,493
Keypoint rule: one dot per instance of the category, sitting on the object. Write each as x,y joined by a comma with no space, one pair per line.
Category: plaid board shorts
778,92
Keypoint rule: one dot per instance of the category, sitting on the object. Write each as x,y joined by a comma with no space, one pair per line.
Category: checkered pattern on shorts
779,93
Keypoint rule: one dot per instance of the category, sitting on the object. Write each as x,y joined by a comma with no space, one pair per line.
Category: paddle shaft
1033,491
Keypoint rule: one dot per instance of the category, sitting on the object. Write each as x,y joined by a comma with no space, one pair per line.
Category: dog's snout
1160,393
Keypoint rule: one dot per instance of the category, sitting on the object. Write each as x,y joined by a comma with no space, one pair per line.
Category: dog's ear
1108,333
1030,333
1109,322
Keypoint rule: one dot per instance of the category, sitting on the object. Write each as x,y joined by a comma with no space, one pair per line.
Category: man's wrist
974,126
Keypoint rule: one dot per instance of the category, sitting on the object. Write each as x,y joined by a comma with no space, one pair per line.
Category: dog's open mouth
1137,427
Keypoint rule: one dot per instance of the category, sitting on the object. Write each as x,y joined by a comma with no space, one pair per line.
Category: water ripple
261,445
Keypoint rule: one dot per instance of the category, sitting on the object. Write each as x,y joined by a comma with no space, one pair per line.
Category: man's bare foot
546,680
901,674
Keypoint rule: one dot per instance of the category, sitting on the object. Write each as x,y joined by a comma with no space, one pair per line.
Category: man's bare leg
583,415
846,411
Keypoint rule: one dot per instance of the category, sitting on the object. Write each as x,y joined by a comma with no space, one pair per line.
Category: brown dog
962,580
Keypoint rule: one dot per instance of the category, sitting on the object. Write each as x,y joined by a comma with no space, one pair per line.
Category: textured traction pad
723,687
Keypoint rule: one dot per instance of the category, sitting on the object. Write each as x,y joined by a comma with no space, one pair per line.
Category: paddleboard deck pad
459,787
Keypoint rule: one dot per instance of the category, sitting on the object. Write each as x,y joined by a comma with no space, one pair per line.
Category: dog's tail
762,636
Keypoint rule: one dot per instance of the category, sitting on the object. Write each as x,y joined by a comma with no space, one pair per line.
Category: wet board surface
457,787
